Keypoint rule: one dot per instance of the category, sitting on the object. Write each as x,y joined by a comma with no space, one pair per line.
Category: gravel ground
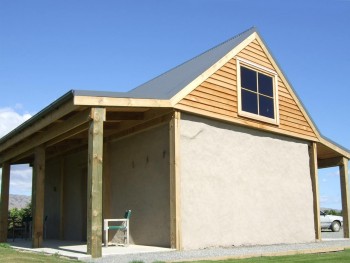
330,234
219,252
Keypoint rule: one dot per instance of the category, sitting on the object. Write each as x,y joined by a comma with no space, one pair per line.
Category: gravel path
212,253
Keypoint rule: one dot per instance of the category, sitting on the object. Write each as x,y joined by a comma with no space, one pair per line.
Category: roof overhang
66,120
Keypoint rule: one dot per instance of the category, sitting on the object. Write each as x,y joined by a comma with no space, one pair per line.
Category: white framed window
257,92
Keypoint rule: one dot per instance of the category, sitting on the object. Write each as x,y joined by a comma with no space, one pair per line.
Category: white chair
124,226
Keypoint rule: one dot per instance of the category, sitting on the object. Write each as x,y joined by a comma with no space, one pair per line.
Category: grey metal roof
173,81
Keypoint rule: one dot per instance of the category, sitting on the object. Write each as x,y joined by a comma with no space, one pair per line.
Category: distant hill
19,201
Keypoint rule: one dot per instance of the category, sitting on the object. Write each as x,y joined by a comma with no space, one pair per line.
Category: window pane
248,79
249,101
266,107
265,85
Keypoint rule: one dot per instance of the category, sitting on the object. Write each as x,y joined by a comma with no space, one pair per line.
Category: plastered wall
242,187
73,186
139,171
52,199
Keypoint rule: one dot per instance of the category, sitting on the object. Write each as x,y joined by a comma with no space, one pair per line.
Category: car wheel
335,226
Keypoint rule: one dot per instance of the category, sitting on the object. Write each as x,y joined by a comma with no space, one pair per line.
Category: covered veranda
75,122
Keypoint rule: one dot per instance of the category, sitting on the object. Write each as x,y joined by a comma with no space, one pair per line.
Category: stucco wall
52,199
242,187
140,182
74,196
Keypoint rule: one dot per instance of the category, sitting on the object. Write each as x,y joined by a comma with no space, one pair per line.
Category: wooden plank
344,186
220,83
38,194
62,164
315,189
200,94
4,201
283,107
121,102
262,59
209,108
175,198
226,91
229,69
256,51
95,167
301,128
255,60
288,118
50,134
334,148
284,127
288,101
39,124
330,162
288,115
222,76
207,101
216,93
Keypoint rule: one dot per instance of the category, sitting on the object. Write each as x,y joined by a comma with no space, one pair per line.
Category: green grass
336,257
8,254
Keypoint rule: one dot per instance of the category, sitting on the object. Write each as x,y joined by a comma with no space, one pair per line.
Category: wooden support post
94,194
4,201
38,191
175,204
344,186
315,189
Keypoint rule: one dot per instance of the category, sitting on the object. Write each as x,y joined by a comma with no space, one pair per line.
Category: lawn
7,254
338,257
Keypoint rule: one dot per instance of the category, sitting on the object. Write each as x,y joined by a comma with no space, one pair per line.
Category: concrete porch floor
77,250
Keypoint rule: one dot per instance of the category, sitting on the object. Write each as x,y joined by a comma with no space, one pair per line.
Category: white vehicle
331,222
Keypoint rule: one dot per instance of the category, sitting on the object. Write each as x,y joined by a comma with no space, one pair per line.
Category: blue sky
50,47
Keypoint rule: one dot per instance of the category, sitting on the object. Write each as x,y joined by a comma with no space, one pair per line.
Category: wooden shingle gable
217,95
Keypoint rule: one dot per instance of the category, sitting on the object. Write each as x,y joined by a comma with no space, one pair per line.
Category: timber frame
89,120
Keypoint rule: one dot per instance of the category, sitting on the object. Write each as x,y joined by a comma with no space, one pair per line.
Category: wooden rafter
50,134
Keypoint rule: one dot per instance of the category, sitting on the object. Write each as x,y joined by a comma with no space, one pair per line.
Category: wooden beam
175,201
330,162
126,131
38,192
344,186
4,201
315,189
120,116
51,133
39,124
67,135
95,167
120,102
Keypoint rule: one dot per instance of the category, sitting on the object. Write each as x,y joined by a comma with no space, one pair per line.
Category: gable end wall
217,97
